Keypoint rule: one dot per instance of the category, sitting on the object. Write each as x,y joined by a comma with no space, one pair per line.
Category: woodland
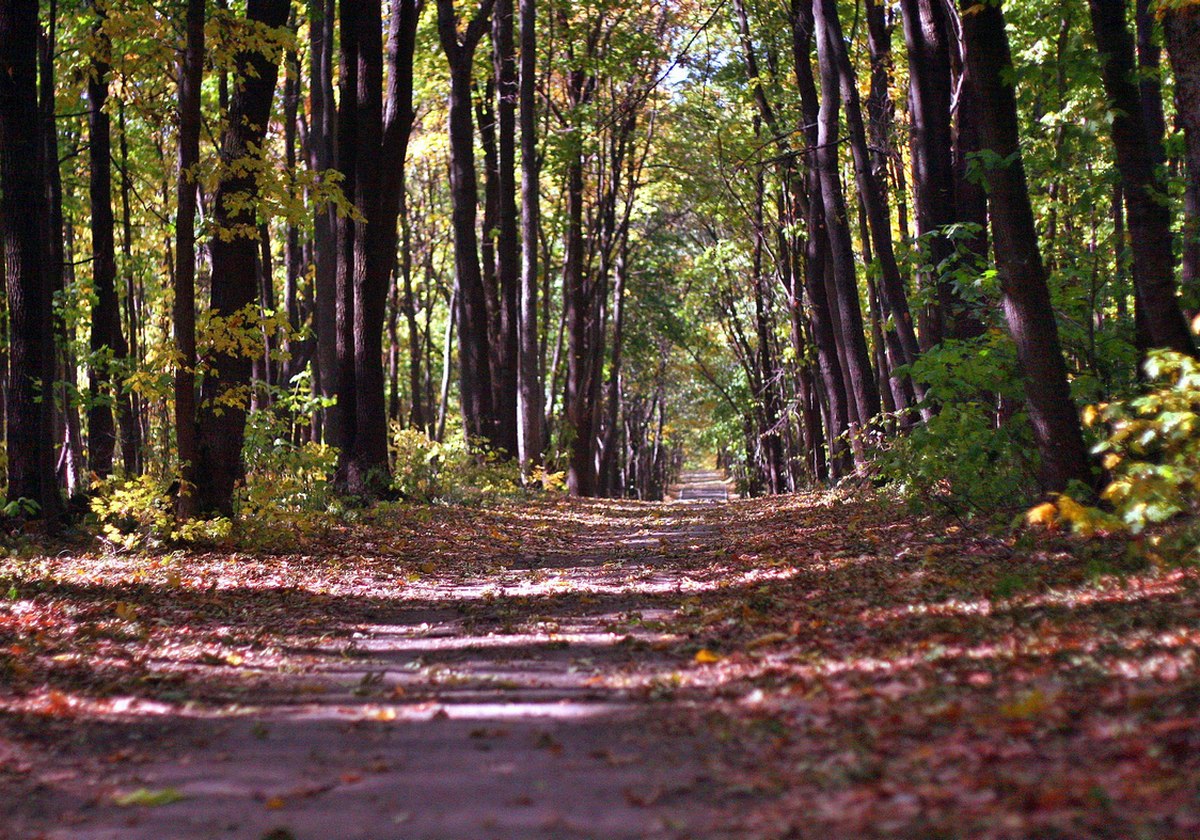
773,418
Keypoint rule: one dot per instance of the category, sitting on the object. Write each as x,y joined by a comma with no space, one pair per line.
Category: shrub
975,453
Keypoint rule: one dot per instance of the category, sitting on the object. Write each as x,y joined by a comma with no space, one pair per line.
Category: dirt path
490,707
811,666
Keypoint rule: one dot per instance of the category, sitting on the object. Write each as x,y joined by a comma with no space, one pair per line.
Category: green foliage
1153,444
139,514
428,471
975,453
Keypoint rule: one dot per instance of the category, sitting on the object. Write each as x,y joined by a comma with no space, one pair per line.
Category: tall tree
1138,148
845,298
24,226
221,418
322,137
191,74
529,380
1027,305
380,143
508,236
475,375
108,346
1181,25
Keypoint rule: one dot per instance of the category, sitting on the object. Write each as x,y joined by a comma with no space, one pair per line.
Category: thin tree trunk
191,73
321,158
530,393
107,342
858,361
475,378
508,239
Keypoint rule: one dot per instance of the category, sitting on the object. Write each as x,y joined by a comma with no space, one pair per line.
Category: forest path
510,704
820,665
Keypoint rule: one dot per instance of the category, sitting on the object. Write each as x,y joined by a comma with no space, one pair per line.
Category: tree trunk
321,158
508,240
1027,304
1181,25
858,361
475,376
902,339
926,34
24,227
816,251
221,419
530,394
107,342
191,74
1137,150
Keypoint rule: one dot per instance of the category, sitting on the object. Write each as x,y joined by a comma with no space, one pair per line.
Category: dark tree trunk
508,239
1137,149
841,252
132,417
1022,276
927,36
816,252
24,227
530,394
902,339
475,376
191,73
221,419
380,144
322,158
107,343
580,415
1181,25
70,465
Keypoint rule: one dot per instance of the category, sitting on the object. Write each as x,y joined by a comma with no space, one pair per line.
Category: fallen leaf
149,798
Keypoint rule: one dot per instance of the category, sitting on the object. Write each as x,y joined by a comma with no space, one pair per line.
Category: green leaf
148,798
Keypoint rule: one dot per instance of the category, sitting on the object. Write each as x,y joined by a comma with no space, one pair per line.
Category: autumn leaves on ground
808,666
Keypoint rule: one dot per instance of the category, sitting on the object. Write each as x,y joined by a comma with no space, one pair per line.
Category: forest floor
813,666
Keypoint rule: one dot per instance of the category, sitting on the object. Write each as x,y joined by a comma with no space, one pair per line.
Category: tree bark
191,73
221,419
475,375
107,341
508,240
24,227
380,146
902,339
1137,149
530,393
322,158
845,282
926,34
1181,26
816,251
1027,306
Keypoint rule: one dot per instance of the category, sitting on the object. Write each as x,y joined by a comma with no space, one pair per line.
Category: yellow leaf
126,611
1029,705
768,639
428,568
1044,515
704,656
275,803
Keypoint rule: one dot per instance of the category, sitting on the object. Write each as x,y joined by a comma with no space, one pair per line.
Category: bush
975,453
1152,446
428,471
139,513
